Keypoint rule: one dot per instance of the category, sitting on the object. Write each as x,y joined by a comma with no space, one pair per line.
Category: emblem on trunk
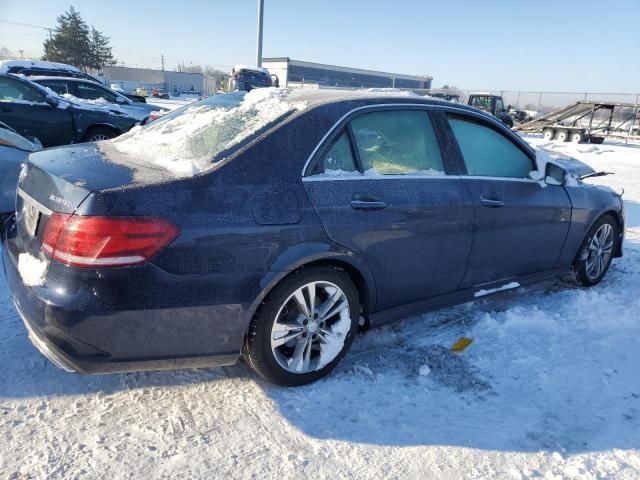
60,201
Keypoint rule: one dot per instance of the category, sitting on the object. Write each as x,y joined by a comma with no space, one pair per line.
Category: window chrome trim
362,176
425,106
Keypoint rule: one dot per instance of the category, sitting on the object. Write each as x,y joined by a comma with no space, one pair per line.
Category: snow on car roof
5,65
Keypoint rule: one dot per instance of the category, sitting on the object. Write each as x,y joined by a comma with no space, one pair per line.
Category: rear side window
397,142
338,159
488,153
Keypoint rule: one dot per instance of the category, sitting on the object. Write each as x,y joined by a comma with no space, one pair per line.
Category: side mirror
554,174
51,101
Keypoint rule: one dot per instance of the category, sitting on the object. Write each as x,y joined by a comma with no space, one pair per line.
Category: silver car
86,90
14,150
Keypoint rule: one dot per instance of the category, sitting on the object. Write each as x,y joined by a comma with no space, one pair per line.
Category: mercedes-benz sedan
272,224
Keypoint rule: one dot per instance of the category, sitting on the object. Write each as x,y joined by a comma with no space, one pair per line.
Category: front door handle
491,202
367,204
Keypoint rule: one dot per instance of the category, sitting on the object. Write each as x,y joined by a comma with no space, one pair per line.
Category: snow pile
186,142
32,270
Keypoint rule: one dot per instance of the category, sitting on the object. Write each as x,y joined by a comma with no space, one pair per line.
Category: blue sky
503,45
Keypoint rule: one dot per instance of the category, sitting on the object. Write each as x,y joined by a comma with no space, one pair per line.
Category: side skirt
460,296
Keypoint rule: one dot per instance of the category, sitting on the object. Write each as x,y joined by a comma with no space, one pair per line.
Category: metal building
296,73
173,82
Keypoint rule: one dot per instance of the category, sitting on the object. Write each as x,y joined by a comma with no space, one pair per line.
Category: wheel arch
109,126
349,263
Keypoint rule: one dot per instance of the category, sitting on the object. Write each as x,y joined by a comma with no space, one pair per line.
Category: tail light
268,82
90,241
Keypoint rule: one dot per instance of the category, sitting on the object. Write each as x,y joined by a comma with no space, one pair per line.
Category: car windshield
187,141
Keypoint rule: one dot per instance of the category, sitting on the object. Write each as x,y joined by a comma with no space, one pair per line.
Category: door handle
367,204
491,203
6,109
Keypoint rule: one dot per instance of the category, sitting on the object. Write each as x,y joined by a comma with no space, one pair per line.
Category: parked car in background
34,111
159,93
31,68
141,92
92,92
493,104
136,98
246,78
14,150
273,225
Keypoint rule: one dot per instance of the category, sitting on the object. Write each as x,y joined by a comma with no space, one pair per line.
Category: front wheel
97,134
596,252
304,327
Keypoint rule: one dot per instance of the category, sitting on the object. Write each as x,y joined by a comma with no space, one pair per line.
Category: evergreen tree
70,42
74,43
101,55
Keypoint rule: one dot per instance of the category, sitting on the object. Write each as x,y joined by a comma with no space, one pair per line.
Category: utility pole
259,49
162,60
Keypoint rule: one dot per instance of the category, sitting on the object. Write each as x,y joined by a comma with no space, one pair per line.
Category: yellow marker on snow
461,344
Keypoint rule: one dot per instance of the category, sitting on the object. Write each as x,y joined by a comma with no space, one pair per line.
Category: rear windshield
189,140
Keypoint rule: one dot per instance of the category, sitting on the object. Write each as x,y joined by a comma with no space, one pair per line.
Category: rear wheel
304,327
596,252
96,134
562,136
576,137
548,134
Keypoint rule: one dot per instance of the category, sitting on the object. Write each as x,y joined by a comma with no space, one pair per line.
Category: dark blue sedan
273,224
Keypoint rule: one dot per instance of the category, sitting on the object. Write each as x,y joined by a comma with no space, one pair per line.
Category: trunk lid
58,180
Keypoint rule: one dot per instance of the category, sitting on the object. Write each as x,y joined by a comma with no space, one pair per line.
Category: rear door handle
491,203
367,204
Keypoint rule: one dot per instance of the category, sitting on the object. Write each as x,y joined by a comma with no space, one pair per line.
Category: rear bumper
80,336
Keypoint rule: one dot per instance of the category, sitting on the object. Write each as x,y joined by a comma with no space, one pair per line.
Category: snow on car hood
191,139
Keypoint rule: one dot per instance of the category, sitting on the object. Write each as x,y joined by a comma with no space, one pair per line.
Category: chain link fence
545,102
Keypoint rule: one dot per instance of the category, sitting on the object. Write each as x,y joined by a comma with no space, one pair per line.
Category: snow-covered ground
549,388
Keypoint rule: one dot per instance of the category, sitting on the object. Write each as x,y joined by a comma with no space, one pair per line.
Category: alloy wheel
599,251
310,328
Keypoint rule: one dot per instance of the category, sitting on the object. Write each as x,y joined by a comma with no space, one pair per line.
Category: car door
24,108
381,188
520,224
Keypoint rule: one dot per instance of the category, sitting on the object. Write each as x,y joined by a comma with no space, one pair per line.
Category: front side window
499,105
488,153
12,90
397,142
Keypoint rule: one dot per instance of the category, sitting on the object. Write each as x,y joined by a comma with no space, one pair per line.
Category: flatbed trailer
583,122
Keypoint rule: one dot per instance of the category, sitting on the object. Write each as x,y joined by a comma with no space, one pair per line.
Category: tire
561,136
548,134
593,261
597,140
314,347
576,137
508,121
95,134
